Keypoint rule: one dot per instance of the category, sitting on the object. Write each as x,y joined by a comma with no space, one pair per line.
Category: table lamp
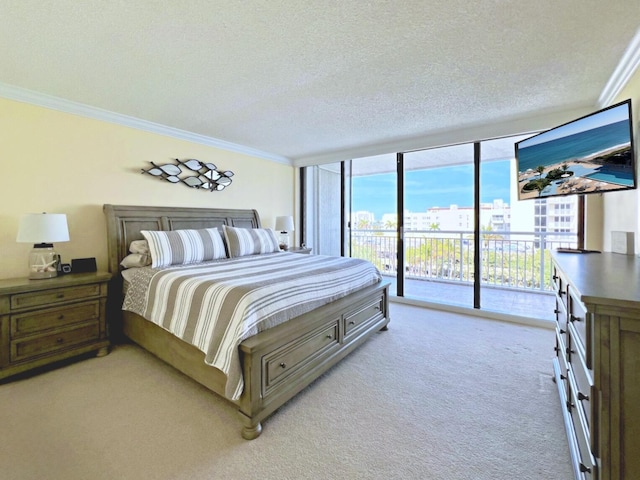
284,225
42,229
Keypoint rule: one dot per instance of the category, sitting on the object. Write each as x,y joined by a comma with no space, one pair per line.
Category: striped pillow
250,241
180,247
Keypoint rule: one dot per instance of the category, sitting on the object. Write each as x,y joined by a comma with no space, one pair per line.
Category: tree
540,170
434,226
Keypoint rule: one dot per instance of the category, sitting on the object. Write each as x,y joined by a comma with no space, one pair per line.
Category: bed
275,363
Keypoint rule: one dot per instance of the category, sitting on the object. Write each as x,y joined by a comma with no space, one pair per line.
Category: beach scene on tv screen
592,154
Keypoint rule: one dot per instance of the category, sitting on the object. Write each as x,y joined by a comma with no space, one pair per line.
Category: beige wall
621,209
63,163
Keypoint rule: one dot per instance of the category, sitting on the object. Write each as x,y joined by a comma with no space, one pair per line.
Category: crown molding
68,106
629,63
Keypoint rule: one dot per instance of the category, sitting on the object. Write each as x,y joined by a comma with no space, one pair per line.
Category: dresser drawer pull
584,468
563,331
562,292
556,311
61,316
582,396
330,337
283,365
573,318
562,377
59,340
570,405
60,295
352,322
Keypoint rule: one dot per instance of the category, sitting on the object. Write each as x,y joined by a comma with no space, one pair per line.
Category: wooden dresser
43,321
597,363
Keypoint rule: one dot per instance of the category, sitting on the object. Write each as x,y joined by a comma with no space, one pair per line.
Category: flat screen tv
592,154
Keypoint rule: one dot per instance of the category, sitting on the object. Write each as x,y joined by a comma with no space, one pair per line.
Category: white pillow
181,247
139,246
250,241
136,260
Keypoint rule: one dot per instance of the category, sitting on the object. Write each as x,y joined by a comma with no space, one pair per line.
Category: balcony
515,267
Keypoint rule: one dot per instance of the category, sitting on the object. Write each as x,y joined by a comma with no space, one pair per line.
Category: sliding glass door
374,213
439,224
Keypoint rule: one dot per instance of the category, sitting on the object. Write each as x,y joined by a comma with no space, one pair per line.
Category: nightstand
299,250
44,321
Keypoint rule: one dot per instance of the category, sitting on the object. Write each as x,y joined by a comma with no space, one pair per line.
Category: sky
437,187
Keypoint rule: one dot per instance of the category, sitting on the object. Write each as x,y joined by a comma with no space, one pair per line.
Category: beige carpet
439,396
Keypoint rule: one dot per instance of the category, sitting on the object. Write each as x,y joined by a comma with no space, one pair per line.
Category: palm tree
540,170
434,226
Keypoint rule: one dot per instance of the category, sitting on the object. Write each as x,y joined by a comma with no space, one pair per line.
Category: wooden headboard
124,223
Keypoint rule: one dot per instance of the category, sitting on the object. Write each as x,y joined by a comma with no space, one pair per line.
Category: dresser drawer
578,318
561,352
359,318
586,463
295,356
42,320
55,295
35,345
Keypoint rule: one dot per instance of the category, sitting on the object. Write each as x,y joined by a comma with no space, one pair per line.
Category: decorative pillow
136,260
181,247
250,241
139,246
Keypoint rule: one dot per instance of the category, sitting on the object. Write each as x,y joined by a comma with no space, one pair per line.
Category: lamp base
43,262
283,241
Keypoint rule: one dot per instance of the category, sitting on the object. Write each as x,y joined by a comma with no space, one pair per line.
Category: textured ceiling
321,80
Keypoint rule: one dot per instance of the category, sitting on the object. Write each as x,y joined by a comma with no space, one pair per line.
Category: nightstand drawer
42,320
55,295
35,345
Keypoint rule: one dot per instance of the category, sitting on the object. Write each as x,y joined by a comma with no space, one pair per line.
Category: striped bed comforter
216,305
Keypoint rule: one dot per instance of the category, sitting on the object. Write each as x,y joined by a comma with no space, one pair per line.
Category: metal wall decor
201,175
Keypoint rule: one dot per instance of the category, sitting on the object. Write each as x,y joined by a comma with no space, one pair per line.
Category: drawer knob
60,317
582,396
352,322
573,318
563,331
562,292
283,365
329,336
60,295
59,340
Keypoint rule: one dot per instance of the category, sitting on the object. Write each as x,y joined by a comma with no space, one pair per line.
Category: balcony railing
519,260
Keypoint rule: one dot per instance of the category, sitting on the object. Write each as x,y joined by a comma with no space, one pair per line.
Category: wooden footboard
279,362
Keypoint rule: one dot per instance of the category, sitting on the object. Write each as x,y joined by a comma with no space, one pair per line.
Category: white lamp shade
284,224
43,228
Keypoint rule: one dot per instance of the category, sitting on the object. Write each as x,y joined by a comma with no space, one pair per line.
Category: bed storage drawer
296,355
361,317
